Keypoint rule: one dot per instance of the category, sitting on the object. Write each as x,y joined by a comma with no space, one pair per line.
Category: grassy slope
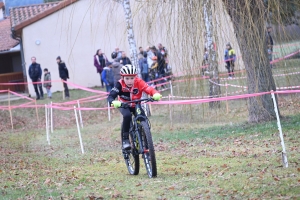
238,161
205,154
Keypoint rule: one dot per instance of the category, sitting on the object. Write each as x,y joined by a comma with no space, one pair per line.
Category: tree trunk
130,34
249,25
214,89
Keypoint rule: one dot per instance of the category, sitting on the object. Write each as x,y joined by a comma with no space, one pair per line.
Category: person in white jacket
150,55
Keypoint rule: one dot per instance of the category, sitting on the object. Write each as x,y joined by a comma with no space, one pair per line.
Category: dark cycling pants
127,117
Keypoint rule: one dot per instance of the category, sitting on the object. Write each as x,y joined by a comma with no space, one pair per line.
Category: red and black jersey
128,94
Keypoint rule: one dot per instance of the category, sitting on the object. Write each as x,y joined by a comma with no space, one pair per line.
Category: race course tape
172,102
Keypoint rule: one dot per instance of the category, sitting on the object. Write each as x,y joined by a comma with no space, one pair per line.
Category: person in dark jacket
35,74
116,67
99,62
144,68
108,76
63,74
125,60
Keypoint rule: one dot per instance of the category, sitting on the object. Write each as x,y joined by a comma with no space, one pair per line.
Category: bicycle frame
139,116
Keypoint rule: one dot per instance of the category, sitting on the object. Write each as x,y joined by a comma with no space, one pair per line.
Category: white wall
76,32
1,14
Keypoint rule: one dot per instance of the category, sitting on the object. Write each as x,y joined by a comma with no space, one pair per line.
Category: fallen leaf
276,178
47,181
139,184
171,188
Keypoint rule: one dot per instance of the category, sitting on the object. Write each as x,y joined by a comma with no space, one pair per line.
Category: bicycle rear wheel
132,159
149,153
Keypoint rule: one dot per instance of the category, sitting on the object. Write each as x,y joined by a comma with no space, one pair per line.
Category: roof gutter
14,36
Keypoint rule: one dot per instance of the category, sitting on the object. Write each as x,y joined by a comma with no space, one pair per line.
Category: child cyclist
129,88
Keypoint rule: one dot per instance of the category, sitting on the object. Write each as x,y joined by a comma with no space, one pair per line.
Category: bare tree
214,89
249,25
130,32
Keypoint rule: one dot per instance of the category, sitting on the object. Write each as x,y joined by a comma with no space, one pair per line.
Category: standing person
35,74
142,52
161,64
163,50
125,60
116,67
99,62
144,68
108,76
47,83
227,60
150,55
129,87
270,44
63,74
232,58
118,52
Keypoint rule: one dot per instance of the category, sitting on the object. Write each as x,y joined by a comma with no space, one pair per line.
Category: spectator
230,60
35,74
160,62
142,52
47,83
168,69
99,62
163,50
116,67
270,44
108,76
63,74
125,60
153,74
150,55
144,67
119,53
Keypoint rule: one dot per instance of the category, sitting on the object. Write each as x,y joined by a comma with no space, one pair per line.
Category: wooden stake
108,111
37,114
51,117
170,109
227,109
10,113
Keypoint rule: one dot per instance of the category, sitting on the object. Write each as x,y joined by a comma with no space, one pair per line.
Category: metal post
47,130
78,129
284,156
108,110
80,117
51,115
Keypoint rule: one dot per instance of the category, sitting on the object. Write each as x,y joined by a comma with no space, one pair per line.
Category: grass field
236,161
201,153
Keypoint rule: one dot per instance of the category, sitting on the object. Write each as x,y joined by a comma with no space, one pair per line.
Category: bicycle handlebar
139,100
125,104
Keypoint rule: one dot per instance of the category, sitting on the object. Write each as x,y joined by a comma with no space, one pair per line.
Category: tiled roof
1,5
6,41
26,15
23,13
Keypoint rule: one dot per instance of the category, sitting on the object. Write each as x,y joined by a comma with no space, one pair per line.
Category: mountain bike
140,140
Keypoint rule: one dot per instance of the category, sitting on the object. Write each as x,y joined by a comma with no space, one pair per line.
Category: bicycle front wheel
149,153
132,159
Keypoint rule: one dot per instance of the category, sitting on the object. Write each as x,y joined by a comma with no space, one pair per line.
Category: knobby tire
149,157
